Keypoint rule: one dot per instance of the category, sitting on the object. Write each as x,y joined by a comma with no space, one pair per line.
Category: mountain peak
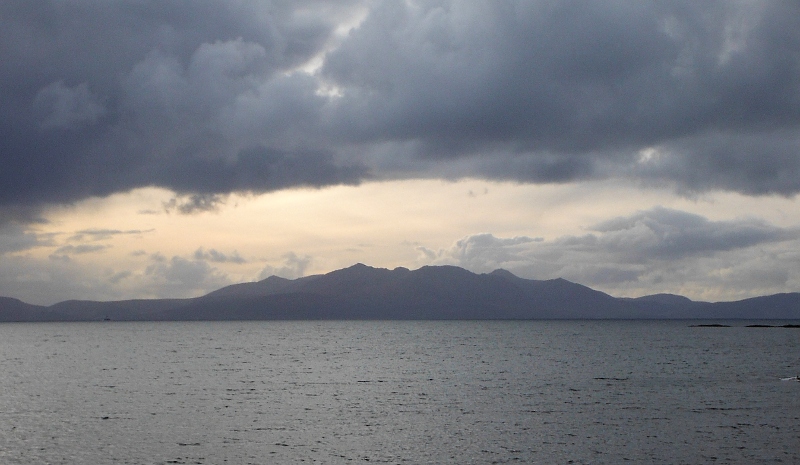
665,299
430,292
359,266
500,272
273,278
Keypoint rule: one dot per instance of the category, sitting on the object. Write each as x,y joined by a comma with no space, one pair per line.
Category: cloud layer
208,98
659,248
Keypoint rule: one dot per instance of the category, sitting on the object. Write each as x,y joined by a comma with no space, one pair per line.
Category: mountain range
361,292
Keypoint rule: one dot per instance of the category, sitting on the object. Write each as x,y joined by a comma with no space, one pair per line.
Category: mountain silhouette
428,293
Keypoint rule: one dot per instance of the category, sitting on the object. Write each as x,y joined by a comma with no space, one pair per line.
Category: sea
417,392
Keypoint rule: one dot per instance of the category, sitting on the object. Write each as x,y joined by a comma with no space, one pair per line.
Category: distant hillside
443,292
17,310
429,293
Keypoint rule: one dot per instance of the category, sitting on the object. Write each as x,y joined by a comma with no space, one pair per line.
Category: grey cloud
213,255
292,267
20,215
40,283
483,252
428,254
657,250
67,108
98,234
196,203
60,258
80,249
115,278
207,98
65,253
15,237
765,162
552,92
179,276
52,280
255,169
102,97
181,270
662,233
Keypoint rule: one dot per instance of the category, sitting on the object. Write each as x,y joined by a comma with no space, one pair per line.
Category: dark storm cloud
767,162
559,91
205,98
100,97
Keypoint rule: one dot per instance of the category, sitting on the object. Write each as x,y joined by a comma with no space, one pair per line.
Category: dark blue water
398,392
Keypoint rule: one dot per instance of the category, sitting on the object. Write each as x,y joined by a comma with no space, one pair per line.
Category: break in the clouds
207,98
658,248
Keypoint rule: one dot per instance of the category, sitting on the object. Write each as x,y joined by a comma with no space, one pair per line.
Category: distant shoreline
361,292
719,325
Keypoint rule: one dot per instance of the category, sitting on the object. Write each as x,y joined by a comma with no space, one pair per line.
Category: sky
155,149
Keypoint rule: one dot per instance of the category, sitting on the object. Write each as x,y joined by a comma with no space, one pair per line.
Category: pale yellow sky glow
385,224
